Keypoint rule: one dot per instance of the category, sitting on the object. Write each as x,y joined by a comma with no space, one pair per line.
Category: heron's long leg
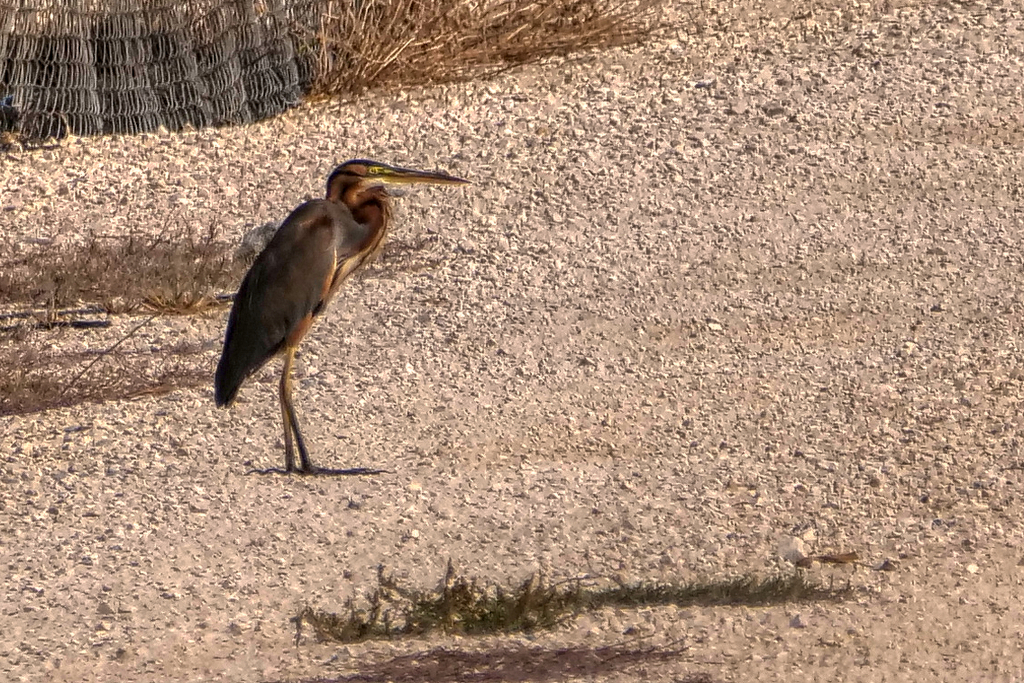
285,395
307,464
291,422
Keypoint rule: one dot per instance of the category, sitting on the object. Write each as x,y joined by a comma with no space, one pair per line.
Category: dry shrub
181,271
380,43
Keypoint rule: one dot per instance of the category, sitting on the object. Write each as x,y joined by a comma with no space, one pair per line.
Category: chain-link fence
126,66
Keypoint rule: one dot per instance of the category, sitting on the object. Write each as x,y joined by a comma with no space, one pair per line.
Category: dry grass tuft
388,43
180,271
467,607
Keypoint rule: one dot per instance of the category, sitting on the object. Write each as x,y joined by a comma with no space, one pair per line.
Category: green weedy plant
468,607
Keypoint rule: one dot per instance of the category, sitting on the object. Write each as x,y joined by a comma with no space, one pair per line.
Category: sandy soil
703,298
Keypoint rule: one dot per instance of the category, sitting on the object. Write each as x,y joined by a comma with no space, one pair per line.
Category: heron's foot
322,471
269,470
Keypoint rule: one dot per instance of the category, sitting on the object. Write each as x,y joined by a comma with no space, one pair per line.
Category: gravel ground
704,297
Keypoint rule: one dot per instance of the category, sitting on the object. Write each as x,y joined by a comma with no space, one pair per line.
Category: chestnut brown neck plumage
368,202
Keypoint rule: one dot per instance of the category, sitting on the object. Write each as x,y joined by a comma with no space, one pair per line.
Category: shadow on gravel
526,665
38,380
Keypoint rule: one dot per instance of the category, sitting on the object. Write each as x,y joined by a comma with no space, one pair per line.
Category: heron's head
353,178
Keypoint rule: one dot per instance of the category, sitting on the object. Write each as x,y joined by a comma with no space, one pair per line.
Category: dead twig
104,354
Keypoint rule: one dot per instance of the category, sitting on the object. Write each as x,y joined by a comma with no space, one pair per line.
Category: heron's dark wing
284,286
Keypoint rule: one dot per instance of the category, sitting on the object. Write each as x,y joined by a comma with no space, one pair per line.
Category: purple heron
289,284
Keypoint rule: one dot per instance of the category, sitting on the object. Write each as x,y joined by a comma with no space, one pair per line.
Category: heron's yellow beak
393,175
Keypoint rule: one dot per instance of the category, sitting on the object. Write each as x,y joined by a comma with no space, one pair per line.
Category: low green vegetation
469,607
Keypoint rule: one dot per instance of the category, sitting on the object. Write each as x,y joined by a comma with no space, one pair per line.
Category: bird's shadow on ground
322,472
515,664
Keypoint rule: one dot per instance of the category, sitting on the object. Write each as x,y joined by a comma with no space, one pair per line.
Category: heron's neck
373,213
370,208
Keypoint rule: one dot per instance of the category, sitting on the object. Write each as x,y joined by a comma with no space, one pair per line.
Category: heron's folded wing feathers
284,285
